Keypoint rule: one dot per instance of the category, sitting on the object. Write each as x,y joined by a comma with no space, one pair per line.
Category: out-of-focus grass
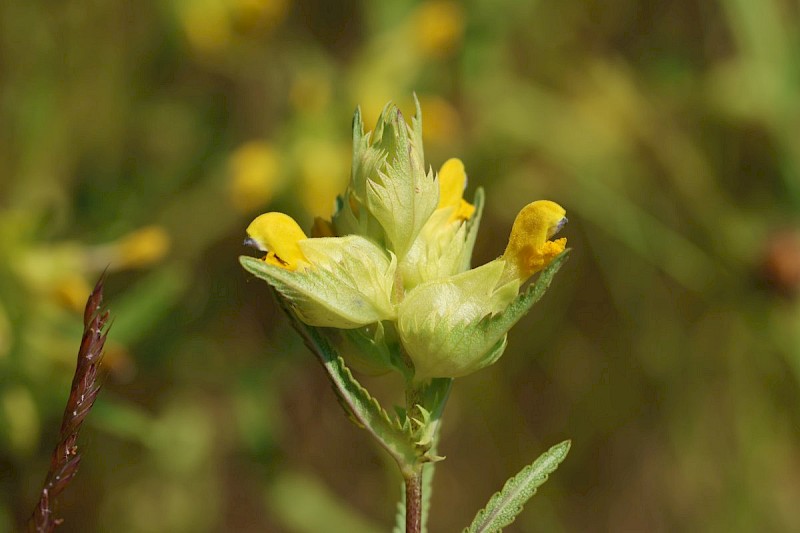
669,131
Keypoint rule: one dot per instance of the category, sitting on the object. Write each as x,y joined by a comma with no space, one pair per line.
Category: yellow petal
142,247
439,27
254,172
278,235
528,249
452,181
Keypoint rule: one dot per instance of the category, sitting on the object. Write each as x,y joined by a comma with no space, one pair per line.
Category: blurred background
145,136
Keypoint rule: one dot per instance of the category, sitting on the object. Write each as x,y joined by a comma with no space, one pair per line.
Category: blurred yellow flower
206,24
324,171
5,333
71,291
140,248
20,420
442,122
259,14
439,27
254,174
310,91
42,268
210,24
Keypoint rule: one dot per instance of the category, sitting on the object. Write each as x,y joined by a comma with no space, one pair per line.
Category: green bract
349,286
397,275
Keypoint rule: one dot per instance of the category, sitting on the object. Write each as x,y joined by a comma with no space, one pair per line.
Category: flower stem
414,501
413,473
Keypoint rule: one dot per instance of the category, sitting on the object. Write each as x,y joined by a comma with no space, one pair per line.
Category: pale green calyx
390,196
438,321
396,274
348,284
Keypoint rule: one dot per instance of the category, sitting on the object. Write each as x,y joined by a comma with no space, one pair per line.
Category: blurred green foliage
143,137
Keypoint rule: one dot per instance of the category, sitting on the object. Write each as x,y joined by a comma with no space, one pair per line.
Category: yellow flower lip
529,249
278,235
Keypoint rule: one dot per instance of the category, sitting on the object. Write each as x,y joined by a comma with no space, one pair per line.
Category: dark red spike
65,459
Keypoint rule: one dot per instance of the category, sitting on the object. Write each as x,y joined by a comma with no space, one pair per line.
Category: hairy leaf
505,505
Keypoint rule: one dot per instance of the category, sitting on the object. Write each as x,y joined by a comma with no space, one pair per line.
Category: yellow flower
439,27
259,14
393,268
141,248
442,124
206,23
452,182
71,291
278,235
323,173
254,173
529,249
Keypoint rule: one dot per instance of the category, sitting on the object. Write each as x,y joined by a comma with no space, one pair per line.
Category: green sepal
438,321
401,195
365,349
455,326
347,285
352,215
472,229
504,506
499,324
502,322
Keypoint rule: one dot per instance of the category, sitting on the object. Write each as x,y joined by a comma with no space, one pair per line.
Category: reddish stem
414,502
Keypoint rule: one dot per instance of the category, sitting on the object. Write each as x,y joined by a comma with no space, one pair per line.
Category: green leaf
505,505
359,404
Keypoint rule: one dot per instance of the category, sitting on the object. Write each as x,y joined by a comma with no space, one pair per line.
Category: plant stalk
413,473
414,501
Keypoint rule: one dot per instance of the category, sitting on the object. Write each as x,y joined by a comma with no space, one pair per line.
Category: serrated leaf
401,195
504,507
364,409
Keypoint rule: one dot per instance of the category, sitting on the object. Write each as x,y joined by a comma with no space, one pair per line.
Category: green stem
414,501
